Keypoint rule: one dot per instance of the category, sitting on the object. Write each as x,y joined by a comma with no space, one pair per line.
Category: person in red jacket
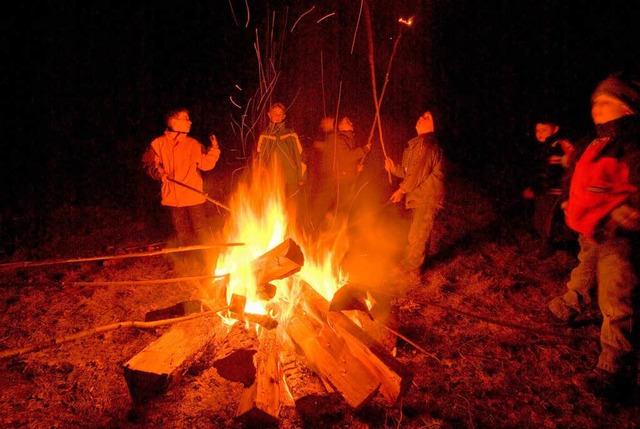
176,160
604,209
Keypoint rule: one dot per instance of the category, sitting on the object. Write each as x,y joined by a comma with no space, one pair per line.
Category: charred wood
234,354
310,395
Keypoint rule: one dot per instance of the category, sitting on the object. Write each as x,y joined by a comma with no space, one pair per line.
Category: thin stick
105,328
25,264
211,200
384,88
147,282
410,342
367,16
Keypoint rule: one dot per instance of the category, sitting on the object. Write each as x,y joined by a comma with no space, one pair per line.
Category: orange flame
259,218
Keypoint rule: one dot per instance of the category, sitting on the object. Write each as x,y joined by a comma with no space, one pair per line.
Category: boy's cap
621,87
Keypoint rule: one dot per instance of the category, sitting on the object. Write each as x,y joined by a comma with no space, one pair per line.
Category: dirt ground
491,356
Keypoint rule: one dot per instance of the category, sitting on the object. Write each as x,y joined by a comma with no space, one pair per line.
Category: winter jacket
179,159
603,194
341,157
422,171
279,147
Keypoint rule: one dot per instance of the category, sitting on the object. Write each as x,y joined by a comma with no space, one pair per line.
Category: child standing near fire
279,150
551,162
175,159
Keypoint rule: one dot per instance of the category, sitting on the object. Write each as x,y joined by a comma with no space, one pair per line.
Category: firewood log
311,397
162,362
234,354
329,357
282,261
394,376
260,402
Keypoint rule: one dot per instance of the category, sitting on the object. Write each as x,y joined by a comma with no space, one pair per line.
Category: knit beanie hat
621,87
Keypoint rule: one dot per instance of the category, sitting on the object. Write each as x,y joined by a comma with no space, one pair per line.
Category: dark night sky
86,83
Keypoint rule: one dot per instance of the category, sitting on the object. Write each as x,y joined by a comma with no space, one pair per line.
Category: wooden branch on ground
15,265
105,328
146,282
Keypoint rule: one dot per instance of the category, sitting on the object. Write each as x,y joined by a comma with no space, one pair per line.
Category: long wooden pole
25,264
384,87
367,19
104,328
147,282
206,196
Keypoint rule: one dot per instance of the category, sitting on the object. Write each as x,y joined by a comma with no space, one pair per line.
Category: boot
561,310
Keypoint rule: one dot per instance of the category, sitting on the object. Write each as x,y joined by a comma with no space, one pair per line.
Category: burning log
260,402
329,357
311,397
282,261
234,355
161,363
394,376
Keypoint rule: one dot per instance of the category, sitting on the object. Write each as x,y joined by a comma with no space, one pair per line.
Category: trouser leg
202,235
419,237
584,276
181,225
618,301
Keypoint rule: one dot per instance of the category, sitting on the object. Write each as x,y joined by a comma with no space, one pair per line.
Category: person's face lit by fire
180,122
544,131
276,114
425,123
605,108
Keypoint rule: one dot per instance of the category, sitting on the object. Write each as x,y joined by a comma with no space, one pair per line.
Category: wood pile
309,358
